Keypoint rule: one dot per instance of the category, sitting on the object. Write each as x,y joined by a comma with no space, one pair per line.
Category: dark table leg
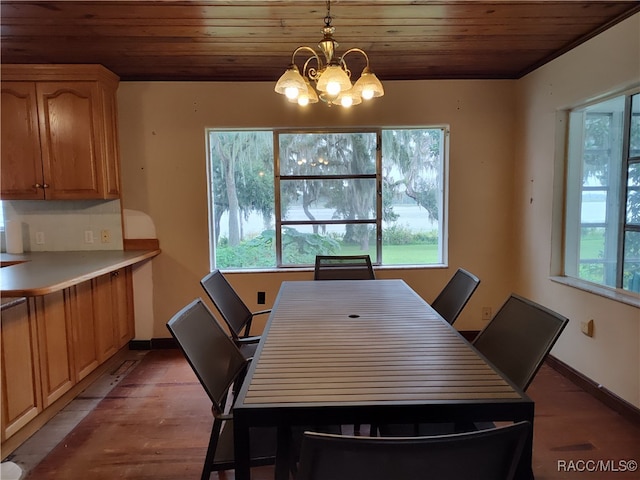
242,455
283,454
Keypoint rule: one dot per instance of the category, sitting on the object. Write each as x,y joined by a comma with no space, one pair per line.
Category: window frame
567,260
377,176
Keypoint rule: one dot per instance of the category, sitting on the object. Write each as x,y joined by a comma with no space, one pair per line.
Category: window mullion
277,198
624,190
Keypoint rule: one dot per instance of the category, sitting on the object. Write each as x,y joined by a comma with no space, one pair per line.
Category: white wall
607,63
63,223
501,186
162,145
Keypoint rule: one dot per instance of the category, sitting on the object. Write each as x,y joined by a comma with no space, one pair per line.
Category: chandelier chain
327,18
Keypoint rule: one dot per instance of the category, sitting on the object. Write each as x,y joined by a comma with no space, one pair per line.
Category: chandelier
331,76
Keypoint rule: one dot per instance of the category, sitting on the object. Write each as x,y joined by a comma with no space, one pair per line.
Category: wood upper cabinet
21,399
21,159
59,133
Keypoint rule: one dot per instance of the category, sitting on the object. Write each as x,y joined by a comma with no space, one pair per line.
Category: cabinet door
122,287
111,150
71,138
85,347
113,303
105,321
21,164
55,346
20,370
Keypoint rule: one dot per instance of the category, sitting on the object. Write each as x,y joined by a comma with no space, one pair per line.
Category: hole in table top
354,315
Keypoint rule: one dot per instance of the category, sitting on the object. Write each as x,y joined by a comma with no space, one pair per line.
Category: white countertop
40,273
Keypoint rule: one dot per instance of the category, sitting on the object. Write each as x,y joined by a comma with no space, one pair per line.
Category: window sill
619,295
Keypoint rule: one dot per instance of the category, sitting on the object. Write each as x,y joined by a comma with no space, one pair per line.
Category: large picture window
279,198
602,223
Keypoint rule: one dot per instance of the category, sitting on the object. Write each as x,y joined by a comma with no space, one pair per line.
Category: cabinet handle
37,185
46,185
115,274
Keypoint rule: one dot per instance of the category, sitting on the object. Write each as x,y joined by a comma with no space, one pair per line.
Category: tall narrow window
602,227
631,240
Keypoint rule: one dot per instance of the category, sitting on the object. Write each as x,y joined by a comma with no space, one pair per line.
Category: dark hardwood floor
154,424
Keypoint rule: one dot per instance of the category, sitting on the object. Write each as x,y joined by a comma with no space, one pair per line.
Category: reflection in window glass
322,199
634,137
633,195
631,271
595,152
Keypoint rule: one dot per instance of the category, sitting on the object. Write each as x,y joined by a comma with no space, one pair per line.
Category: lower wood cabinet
122,305
57,373
51,342
113,307
85,339
21,397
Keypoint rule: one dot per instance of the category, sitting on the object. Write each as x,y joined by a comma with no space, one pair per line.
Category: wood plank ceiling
224,40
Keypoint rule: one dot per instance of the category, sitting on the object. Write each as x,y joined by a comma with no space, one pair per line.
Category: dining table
347,352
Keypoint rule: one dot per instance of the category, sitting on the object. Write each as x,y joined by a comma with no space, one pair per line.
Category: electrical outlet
88,236
39,238
105,236
486,313
587,328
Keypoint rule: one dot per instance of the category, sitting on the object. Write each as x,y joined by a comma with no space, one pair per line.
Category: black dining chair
519,337
491,454
516,341
219,365
233,311
343,267
455,295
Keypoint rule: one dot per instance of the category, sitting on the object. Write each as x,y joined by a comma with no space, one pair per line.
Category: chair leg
211,450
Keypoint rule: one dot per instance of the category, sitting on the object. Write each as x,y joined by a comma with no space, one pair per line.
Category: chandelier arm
307,49
312,73
359,50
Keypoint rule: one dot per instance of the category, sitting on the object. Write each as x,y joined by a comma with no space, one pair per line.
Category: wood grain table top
364,342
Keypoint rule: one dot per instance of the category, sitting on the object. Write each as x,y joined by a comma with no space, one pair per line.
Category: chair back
519,337
491,454
233,310
213,356
343,267
455,295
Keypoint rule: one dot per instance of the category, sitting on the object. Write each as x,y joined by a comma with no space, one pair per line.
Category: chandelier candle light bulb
331,76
